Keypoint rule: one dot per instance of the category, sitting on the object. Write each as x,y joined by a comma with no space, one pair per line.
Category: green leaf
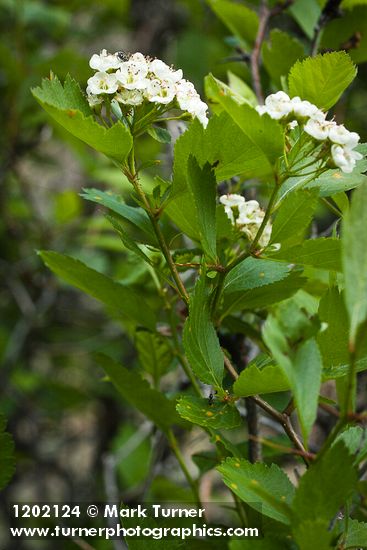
301,364
306,13
263,296
341,30
313,534
266,543
67,105
318,496
136,391
241,88
240,20
254,273
218,415
266,489
280,53
293,217
128,242
354,258
159,134
135,215
356,536
200,339
202,184
332,181
119,298
253,381
322,79
257,283
333,341
354,438
265,134
7,459
154,351
323,253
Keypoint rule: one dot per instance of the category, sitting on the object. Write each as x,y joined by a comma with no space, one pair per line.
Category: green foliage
139,394
323,253
280,53
155,353
253,380
356,535
266,489
68,106
240,20
202,185
322,79
354,256
293,217
300,360
217,415
118,298
318,497
7,458
264,133
200,339
311,534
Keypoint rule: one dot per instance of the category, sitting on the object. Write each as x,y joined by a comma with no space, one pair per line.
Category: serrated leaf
136,391
323,253
218,415
120,299
240,20
301,364
225,146
135,215
265,134
202,185
356,536
253,381
355,440
332,181
67,105
322,79
264,296
318,497
266,489
154,352
280,53
354,258
254,273
293,217
7,458
159,134
200,339
241,88
313,534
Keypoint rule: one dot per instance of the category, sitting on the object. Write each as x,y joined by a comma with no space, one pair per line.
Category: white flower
319,129
340,135
94,100
292,125
132,74
104,61
160,91
278,105
198,109
102,83
303,108
250,212
186,93
130,97
345,158
232,200
164,72
261,109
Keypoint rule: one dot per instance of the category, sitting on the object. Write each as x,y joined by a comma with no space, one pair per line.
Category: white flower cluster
133,79
293,111
247,215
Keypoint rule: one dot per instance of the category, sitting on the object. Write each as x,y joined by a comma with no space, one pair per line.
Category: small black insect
211,398
122,55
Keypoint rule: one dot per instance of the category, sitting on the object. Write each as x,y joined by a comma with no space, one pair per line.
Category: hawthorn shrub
235,263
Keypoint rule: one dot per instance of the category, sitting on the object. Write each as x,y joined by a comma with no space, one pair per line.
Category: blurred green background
70,428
